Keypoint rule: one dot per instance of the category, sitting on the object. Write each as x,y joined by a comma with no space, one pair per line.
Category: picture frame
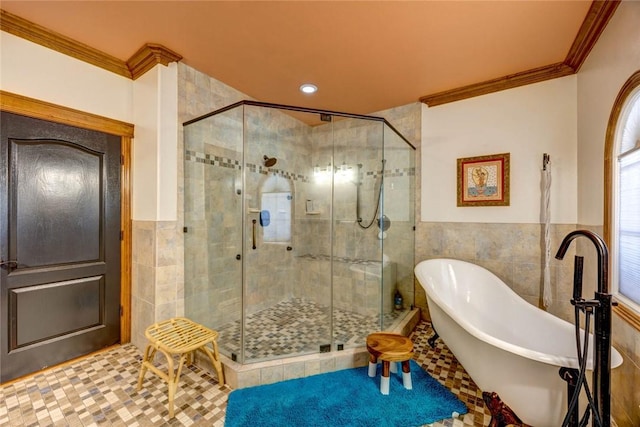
483,180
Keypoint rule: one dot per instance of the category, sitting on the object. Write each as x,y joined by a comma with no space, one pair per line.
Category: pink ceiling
364,56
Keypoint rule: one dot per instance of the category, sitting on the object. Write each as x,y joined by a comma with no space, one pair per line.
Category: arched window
622,222
276,209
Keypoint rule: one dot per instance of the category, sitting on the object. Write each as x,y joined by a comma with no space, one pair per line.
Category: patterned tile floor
298,327
100,390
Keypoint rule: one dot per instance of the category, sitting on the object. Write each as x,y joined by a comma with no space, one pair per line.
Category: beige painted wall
611,62
91,89
525,122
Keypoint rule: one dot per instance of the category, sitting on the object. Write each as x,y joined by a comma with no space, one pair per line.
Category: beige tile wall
155,292
511,251
625,380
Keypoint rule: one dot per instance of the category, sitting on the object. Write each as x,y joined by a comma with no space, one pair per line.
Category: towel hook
545,161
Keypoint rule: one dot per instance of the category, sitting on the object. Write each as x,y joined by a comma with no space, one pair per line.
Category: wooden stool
389,347
178,336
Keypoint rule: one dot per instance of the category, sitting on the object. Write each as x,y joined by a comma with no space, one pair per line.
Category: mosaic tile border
225,162
213,160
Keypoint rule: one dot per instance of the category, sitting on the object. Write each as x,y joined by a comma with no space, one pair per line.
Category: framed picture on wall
483,180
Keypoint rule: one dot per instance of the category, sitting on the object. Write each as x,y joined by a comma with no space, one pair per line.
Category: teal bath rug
343,398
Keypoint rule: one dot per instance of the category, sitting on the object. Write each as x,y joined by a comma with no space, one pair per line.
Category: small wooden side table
388,348
178,336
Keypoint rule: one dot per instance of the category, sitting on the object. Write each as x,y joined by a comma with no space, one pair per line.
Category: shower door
286,285
213,226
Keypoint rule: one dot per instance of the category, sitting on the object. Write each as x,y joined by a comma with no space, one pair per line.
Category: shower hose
583,351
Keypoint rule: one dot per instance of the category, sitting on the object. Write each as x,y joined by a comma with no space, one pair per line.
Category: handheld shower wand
379,197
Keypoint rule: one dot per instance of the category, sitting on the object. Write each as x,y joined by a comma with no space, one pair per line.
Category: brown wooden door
60,243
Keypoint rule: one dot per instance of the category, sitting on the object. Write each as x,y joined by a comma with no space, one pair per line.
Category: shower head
269,161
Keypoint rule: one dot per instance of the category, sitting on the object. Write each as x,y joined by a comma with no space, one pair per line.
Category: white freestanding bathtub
507,345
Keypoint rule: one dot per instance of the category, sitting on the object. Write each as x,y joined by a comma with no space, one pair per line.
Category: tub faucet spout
601,248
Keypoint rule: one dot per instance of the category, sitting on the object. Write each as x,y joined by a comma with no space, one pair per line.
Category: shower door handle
253,233
9,265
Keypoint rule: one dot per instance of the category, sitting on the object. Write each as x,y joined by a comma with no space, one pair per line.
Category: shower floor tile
100,390
298,327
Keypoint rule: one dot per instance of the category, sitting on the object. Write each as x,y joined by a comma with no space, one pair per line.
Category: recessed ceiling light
308,88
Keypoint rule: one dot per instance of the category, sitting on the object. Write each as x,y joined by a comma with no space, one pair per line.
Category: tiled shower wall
407,120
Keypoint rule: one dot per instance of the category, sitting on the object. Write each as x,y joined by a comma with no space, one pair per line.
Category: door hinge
121,235
122,159
121,311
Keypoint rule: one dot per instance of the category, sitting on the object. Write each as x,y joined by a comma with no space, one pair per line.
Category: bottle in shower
397,300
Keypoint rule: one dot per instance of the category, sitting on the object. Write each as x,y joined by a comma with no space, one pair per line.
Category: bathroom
565,117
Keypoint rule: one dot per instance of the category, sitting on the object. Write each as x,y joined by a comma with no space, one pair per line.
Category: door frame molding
18,104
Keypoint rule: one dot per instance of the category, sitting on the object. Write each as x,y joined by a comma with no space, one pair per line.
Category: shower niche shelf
313,213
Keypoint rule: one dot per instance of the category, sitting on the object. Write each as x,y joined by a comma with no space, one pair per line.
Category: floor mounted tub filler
507,345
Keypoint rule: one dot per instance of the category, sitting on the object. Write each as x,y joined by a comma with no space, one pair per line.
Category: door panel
55,309
39,170
60,221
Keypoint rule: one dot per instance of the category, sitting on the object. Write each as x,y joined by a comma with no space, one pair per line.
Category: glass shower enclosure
299,228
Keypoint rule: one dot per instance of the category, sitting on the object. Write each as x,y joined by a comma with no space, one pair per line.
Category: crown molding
593,25
142,61
149,56
38,34
501,83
